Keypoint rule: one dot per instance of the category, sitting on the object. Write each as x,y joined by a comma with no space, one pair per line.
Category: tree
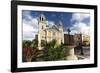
53,52
43,43
34,43
29,52
26,43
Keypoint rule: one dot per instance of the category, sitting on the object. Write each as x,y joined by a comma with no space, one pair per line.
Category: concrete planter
70,55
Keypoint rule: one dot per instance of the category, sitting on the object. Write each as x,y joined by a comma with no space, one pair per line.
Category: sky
77,22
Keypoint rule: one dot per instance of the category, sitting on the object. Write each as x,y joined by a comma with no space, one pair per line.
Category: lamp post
68,31
80,44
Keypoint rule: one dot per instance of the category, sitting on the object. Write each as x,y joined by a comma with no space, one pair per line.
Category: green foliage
43,43
26,44
34,43
53,52
30,50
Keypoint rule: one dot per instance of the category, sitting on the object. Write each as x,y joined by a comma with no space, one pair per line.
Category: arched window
42,19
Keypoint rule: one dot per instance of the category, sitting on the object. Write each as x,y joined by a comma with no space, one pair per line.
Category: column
70,55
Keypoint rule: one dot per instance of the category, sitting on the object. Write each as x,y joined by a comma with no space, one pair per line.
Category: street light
68,31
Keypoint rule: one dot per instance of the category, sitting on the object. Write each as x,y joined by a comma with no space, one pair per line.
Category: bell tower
41,32
42,22
60,26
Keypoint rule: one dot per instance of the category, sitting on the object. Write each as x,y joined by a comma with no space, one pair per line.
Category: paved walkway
86,51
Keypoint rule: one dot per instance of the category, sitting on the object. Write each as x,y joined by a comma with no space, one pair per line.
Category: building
68,39
76,39
86,39
54,31
50,32
82,39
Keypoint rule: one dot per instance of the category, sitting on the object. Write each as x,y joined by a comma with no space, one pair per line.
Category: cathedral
50,32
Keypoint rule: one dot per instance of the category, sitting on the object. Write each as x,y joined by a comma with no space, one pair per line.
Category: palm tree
53,52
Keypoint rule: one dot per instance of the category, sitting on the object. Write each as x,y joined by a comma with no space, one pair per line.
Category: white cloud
79,26
30,26
32,22
79,17
27,14
29,32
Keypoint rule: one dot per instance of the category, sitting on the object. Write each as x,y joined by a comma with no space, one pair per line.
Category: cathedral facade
49,32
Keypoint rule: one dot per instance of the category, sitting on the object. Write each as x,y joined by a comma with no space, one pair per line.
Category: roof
52,27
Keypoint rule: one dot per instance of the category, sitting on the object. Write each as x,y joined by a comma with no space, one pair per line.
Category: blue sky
77,22
54,16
